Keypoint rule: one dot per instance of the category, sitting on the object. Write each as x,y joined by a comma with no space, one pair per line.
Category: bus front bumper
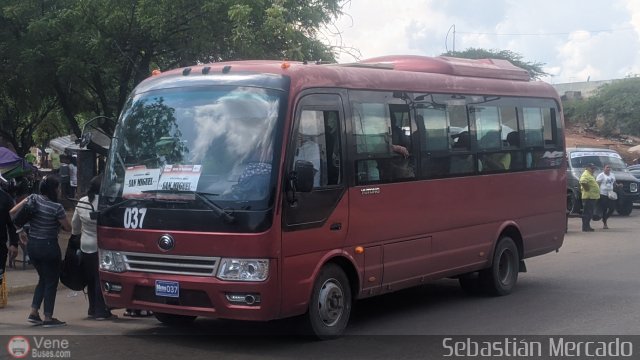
195,295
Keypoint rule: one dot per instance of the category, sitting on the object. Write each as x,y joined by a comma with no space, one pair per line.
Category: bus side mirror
304,174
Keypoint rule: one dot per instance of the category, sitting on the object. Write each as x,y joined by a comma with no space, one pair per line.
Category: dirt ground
576,136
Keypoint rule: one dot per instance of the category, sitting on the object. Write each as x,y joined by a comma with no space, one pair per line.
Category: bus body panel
443,227
303,253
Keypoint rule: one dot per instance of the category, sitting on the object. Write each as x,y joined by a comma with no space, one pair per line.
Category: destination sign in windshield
176,178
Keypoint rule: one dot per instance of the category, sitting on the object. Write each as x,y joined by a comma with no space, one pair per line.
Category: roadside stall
13,166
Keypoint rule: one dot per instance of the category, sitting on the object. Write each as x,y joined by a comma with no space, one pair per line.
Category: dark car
634,170
579,158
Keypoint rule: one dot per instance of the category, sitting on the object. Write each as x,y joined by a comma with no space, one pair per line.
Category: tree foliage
534,68
85,56
614,108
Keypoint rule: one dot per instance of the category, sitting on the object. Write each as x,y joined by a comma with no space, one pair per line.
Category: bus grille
171,264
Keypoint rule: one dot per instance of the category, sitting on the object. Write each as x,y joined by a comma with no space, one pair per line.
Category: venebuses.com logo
18,347
36,347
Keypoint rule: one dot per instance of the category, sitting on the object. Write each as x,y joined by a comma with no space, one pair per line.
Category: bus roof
398,72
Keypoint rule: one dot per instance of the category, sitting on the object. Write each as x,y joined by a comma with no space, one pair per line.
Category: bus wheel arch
332,298
514,233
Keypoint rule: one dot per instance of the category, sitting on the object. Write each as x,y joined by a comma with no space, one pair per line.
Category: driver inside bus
253,183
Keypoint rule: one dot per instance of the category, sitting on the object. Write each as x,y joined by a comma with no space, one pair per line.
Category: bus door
313,222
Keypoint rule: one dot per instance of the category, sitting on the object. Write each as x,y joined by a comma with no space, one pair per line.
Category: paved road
591,287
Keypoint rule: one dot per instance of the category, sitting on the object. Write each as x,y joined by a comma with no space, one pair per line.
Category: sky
577,40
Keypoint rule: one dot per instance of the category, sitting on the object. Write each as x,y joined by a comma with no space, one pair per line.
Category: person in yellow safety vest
590,195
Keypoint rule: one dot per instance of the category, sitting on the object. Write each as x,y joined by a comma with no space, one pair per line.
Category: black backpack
71,273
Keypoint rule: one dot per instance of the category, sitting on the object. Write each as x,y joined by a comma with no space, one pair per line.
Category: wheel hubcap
330,302
505,268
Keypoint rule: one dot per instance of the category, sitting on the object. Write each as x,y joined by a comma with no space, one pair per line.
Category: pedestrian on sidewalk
83,225
6,230
43,248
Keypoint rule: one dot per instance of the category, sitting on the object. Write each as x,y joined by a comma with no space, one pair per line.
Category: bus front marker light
112,287
243,269
243,299
112,261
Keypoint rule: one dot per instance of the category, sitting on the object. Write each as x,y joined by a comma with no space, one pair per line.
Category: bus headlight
243,269
112,261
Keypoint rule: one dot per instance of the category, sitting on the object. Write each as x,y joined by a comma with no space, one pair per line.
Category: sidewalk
21,279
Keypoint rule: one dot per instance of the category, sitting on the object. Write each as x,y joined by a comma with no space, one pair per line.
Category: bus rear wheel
330,305
173,319
501,277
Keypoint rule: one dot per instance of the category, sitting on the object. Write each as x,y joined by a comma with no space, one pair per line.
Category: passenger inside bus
496,160
402,165
462,163
513,141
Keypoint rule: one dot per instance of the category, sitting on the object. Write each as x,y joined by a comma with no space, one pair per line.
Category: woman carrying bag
607,202
83,225
42,246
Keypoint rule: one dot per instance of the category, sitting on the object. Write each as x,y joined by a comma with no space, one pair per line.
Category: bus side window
540,130
318,141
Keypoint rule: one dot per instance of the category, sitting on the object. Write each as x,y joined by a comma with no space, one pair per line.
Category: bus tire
330,305
501,277
173,319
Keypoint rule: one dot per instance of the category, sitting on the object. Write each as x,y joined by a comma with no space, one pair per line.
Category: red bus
258,190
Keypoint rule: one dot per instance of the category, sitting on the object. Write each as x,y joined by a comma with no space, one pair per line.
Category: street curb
22,289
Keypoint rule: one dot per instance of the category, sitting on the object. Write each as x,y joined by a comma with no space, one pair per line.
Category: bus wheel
501,277
172,319
330,305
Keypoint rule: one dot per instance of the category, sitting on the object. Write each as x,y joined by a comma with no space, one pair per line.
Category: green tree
534,68
89,54
616,104
26,100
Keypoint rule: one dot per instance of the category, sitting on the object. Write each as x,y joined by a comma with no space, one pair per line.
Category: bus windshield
211,141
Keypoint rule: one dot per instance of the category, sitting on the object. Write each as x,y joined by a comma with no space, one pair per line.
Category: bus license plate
167,288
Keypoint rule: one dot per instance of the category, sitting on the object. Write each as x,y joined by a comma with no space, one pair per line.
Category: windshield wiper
217,209
94,214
